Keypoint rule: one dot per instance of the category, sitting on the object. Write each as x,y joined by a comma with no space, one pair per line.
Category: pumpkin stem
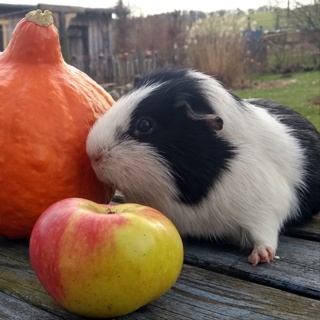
43,19
35,40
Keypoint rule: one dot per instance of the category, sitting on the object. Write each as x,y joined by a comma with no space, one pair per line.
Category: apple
104,260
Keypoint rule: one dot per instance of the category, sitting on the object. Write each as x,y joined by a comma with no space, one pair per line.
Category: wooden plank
12,308
198,292
18,280
309,231
241,299
297,270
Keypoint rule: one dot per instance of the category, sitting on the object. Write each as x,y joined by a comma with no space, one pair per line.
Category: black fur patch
196,155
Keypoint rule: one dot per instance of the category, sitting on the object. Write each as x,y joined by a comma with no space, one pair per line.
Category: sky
158,6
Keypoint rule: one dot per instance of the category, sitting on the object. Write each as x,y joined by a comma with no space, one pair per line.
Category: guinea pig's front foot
261,254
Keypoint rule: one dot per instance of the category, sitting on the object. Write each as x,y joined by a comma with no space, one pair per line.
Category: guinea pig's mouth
97,163
101,175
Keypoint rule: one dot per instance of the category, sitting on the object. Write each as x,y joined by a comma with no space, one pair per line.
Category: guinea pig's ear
215,122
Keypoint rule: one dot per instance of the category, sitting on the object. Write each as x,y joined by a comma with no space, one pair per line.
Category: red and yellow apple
105,260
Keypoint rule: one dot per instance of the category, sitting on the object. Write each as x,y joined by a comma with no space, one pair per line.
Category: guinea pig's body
216,165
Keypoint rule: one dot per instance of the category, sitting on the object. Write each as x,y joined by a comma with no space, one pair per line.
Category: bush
216,47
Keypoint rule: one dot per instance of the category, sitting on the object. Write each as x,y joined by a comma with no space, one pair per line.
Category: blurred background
117,41
242,44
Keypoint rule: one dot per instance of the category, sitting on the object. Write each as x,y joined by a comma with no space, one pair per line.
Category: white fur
271,165
129,158
250,202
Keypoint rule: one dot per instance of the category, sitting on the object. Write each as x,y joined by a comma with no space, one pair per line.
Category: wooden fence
277,51
120,69
293,50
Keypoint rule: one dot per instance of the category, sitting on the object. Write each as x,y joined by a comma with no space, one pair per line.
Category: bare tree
306,16
122,26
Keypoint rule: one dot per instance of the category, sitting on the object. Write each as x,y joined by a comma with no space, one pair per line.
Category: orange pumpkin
46,110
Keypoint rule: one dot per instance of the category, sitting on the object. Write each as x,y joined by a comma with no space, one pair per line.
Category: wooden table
216,283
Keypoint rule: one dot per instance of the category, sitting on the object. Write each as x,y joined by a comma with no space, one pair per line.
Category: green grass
268,20
265,19
301,93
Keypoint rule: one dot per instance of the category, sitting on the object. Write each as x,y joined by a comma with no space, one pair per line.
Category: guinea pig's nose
96,159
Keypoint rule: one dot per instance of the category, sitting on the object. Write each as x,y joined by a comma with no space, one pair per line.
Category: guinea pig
216,165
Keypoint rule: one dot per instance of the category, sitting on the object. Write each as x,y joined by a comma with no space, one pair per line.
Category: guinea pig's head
160,139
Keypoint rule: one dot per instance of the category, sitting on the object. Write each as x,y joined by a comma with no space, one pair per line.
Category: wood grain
200,292
297,270
310,230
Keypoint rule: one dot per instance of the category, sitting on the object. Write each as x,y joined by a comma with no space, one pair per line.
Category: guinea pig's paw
261,254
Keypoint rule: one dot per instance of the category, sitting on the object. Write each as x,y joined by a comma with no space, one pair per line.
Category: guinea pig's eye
145,125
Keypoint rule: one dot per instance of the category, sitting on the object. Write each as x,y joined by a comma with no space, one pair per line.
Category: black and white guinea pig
216,165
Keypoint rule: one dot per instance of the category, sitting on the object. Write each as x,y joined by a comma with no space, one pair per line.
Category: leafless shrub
216,47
